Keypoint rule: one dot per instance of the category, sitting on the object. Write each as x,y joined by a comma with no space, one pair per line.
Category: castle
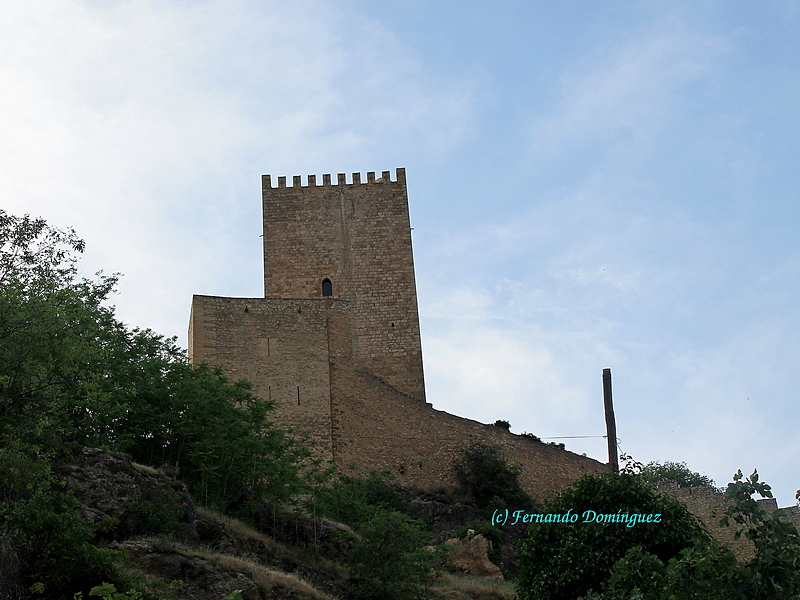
335,342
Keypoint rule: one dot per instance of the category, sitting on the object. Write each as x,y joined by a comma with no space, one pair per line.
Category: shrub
709,570
561,561
45,545
389,561
354,500
680,473
71,374
484,474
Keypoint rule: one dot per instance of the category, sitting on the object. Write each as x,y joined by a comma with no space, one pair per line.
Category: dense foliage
355,500
680,473
389,561
564,560
484,475
675,560
72,375
711,571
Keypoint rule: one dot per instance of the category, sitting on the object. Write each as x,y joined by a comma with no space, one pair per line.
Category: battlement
341,179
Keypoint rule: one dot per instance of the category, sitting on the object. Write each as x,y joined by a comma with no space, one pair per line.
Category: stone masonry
335,342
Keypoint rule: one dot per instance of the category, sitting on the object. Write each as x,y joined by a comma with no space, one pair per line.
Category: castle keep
335,341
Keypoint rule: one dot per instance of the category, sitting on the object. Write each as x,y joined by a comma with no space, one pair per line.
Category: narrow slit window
327,288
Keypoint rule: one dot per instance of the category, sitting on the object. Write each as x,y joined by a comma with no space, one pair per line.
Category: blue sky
592,184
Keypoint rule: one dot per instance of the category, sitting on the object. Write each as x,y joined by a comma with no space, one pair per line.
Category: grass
451,586
261,575
243,533
266,577
254,551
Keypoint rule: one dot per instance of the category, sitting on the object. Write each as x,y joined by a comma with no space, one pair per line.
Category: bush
680,473
354,500
706,571
560,561
389,561
72,375
485,476
45,546
709,570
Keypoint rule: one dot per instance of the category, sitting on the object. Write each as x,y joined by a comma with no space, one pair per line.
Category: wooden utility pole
611,423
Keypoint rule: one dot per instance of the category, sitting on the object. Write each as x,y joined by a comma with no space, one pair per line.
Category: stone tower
353,240
340,303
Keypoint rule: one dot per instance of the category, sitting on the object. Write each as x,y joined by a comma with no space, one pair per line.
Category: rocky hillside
179,550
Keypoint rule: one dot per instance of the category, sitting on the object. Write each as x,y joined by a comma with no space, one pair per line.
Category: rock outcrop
471,556
129,499
192,552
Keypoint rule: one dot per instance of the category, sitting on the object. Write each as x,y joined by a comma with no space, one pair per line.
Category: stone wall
708,505
380,428
281,346
291,347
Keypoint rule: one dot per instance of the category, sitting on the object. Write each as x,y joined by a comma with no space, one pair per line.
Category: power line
572,437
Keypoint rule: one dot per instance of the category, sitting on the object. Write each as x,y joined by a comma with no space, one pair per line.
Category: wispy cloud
146,126
629,91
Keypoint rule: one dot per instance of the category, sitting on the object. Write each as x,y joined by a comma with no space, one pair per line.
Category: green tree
215,432
680,473
706,571
560,560
709,570
355,500
71,375
389,561
44,543
484,474
50,330
51,325
774,571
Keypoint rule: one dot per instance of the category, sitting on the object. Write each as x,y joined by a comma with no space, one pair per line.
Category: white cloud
146,126
486,373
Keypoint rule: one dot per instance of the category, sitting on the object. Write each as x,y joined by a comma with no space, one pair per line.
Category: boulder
471,556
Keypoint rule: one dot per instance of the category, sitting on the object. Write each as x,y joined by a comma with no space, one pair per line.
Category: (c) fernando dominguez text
501,517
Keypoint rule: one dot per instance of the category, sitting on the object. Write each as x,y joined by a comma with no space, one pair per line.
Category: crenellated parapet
341,180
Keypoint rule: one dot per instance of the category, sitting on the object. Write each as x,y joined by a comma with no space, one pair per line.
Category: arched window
327,288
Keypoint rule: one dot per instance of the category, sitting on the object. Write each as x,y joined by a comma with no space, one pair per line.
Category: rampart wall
299,353
380,428
281,346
